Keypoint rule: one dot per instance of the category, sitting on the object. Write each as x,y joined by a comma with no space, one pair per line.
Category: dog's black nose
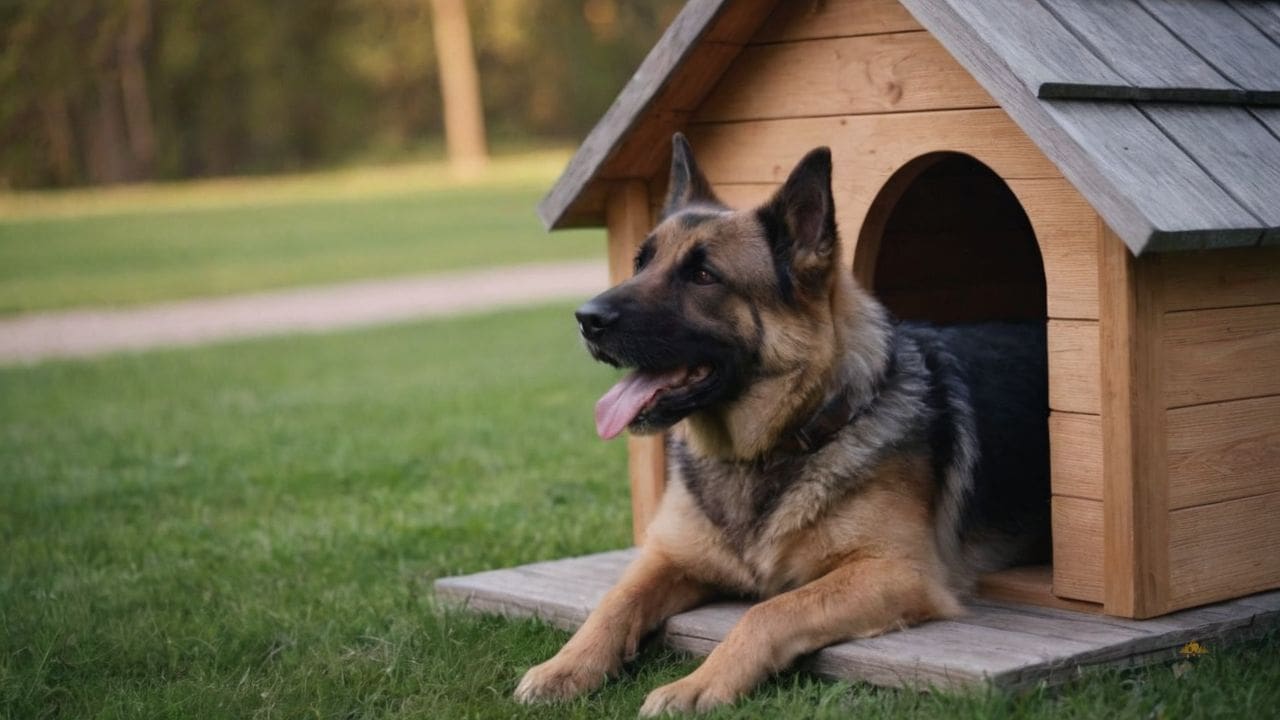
594,318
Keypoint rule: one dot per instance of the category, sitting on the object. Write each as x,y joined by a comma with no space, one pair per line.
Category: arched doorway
947,241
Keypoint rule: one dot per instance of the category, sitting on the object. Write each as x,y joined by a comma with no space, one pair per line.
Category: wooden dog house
1111,167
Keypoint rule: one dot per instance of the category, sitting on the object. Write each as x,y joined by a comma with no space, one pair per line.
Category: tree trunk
133,87
61,138
459,86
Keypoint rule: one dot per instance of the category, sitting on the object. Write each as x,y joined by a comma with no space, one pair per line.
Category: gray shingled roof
1161,112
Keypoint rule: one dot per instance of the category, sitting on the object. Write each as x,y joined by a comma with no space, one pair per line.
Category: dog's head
719,299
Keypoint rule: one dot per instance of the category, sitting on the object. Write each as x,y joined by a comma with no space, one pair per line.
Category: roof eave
563,200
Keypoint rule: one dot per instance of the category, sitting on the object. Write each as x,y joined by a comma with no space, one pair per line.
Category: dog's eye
643,257
702,276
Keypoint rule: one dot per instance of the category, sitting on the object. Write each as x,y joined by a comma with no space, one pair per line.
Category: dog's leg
862,598
651,590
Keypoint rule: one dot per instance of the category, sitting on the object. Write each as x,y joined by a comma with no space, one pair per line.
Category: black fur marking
647,251
942,423
999,370
690,219
1005,371
718,488
775,231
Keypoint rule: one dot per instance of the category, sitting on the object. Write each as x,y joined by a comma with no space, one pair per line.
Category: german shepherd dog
852,471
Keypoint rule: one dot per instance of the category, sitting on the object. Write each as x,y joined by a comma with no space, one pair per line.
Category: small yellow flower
1193,649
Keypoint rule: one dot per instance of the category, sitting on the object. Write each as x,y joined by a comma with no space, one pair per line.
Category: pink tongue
625,400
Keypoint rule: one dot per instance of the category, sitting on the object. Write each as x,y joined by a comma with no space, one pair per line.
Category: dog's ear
800,221
687,185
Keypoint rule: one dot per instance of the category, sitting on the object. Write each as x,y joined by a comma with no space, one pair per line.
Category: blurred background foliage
107,91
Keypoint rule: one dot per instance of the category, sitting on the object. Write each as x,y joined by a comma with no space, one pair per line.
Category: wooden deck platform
1006,644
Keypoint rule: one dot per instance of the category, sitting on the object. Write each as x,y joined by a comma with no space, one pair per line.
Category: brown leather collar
836,413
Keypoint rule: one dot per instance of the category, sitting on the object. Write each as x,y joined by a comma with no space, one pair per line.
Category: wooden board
1075,454
1134,461
808,19
1067,229
1176,195
1029,585
1224,451
1074,366
1223,550
1264,14
1247,165
868,148
1160,67
1223,354
1077,549
1231,277
1033,44
1005,644
899,72
1225,38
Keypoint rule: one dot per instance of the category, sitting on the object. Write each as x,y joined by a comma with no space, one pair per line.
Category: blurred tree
96,91
459,87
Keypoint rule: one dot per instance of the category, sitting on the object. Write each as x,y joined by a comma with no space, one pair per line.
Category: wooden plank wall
1217,354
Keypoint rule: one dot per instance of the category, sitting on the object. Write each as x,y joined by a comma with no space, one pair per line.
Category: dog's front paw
556,680
689,694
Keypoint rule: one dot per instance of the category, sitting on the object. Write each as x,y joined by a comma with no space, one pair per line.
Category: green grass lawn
134,245
251,530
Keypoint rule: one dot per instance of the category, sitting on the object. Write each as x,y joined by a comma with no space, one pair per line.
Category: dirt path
82,333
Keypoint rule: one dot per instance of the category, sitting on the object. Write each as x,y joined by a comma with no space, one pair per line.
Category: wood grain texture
1075,454
1045,56
870,150
629,220
1009,645
1078,549
740,21
1224,550
1134,462
1234,277
1264,14
843,76
1028,585
1158,67
868,146
809,19
700,72
1233,147
1181,201
1074,368
647,465
1066,228
1227,40
1223,451
1224,354
1269,117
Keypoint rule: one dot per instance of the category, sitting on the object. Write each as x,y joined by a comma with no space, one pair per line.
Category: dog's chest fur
762,531
775,525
